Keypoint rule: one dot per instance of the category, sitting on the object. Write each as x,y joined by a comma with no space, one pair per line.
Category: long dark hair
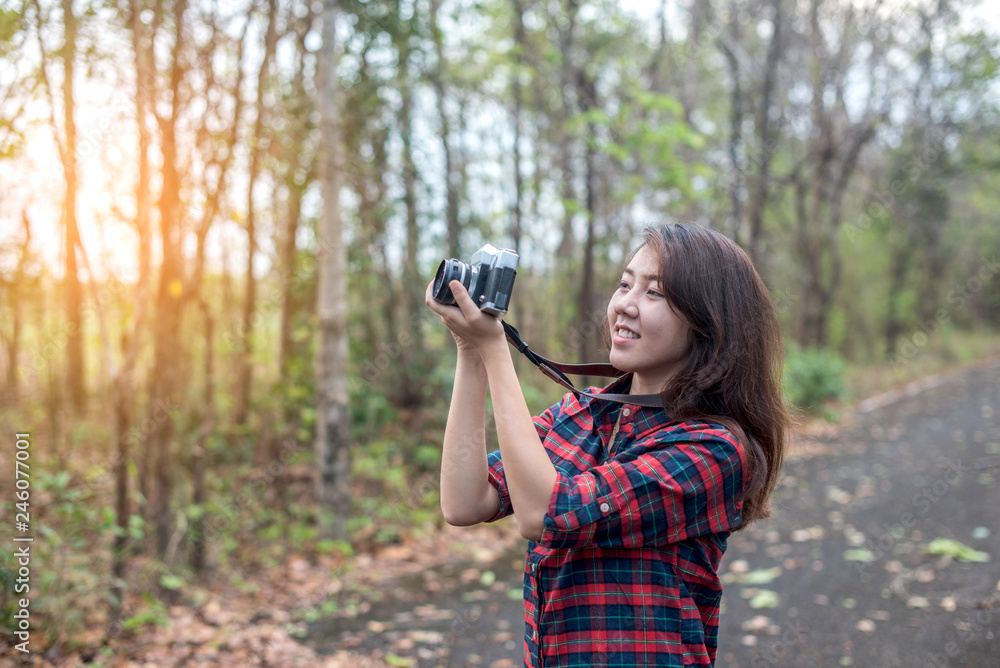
732,374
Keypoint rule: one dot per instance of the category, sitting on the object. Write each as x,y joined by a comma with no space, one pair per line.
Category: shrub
813,376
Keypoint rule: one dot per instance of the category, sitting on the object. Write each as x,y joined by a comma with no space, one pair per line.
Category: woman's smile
622,335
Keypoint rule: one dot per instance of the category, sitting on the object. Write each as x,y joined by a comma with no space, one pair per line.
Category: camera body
489,278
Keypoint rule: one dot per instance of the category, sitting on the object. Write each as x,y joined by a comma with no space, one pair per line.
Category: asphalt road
849,539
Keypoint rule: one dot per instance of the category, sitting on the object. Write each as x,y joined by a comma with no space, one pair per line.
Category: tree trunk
169,302
517,210
245,375
198,456
450,177
66,142
567,82
74,294
765,143
288,269
585,298
296,191
332,432
688,93
123,383
738,182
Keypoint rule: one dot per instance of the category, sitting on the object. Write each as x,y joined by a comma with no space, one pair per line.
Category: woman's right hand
464,348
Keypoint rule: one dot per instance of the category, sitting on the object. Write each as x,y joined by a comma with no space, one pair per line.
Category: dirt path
839,576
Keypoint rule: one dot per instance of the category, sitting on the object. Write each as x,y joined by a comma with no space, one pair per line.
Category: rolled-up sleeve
543,423
664,490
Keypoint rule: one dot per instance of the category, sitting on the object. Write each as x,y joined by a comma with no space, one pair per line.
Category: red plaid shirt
625,572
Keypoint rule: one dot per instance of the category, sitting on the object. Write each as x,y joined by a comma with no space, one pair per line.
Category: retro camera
489,278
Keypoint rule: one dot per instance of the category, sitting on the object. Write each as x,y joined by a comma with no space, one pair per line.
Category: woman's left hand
478,329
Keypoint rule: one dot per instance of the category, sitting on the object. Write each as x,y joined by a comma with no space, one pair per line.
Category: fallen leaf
398,661
739,566
765,598
762,576
953,548
756,624
861,554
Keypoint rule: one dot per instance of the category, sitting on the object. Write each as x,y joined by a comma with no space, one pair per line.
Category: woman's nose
626,305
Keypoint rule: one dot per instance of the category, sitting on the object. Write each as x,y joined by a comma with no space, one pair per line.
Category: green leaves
957,550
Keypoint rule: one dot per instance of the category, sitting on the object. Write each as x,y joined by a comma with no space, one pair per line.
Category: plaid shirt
625,572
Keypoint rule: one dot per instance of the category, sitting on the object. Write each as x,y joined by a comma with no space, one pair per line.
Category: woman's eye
622,285
655,293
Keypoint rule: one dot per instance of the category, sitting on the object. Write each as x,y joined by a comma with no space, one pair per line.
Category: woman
627,509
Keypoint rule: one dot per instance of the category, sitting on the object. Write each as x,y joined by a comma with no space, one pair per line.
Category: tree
332,433
257,138
825,159
65,138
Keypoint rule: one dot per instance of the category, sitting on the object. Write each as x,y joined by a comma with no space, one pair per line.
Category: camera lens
448,271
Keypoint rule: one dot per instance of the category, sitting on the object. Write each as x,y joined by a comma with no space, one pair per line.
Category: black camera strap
557,371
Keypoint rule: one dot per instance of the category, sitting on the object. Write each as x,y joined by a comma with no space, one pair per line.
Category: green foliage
812,377
154,614
66,577
171,582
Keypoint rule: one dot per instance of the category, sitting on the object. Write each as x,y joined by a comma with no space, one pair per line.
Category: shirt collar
591,413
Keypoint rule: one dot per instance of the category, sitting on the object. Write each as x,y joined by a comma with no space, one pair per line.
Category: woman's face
647,337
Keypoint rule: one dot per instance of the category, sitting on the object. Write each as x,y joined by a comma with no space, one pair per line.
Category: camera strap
557,371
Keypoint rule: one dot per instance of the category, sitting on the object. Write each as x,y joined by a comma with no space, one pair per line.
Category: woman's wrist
494,351
469,355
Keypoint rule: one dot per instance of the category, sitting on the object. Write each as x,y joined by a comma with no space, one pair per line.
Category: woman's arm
467,497
531,476
529,472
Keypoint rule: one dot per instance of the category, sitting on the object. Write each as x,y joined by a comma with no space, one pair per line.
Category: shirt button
626,412
605,507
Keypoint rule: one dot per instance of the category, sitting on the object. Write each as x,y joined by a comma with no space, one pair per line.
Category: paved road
922,468
839,576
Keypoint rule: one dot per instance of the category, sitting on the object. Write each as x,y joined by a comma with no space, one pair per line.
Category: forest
218,220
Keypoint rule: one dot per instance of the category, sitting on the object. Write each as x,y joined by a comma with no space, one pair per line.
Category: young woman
627,509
